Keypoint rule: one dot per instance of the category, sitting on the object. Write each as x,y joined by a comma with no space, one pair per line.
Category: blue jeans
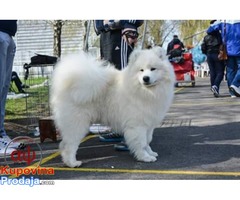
216,68
7,53
233,70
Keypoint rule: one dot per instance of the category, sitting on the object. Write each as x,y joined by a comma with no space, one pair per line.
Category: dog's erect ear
161,53
133,56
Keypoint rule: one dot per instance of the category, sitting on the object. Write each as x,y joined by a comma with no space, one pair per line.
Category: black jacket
172,43
211,43
8,26
99,25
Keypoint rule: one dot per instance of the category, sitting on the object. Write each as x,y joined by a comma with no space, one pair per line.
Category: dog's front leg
149,139
137,141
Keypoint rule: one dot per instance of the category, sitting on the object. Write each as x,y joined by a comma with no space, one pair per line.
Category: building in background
37,36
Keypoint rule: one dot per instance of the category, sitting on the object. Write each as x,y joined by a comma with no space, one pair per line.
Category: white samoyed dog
133,101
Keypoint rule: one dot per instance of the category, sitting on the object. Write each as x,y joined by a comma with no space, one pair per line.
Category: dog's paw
150,152
147,159
74,164
155,154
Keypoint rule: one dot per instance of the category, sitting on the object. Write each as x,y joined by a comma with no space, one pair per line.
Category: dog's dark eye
152,69
141,70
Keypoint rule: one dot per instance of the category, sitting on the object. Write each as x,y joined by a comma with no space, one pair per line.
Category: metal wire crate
38,77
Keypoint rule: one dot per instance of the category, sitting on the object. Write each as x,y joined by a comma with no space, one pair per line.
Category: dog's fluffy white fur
133,101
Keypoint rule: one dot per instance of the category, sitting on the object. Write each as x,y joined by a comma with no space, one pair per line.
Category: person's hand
111,25
130,35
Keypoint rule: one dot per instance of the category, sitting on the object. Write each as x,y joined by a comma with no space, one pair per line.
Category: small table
47,129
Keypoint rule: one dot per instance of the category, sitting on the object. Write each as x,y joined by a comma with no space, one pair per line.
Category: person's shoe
111,137
5,140
214,89
3,149
122,146
99,129
22,91
105,133
11,93
235,90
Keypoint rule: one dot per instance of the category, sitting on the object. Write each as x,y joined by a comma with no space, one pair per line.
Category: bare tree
159,30
57,32
193,30
169,27
57,28
87,27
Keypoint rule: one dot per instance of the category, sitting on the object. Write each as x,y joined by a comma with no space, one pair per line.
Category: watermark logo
28,153
23,161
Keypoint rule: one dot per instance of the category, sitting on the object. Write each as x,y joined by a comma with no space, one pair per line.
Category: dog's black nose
146,79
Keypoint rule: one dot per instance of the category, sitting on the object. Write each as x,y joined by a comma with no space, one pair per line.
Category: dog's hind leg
136,139
69,146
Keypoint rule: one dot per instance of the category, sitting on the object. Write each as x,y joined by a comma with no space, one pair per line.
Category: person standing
8,29
230,32
210,46
117,41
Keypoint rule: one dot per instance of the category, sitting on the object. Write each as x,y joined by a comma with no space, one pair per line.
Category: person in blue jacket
117,41
230,32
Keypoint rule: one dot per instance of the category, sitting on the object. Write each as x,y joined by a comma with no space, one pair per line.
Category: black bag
43,59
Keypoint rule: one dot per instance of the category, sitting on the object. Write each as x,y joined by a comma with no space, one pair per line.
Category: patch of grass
36,104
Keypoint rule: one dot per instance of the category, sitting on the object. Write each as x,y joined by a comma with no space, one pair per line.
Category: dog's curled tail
80,78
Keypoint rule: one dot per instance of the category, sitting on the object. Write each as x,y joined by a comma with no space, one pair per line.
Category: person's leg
7,52
116,49
17,81
111,51
213,73
124,54
110,47
126,50
219,69
235,84
210,61
231,69
236,80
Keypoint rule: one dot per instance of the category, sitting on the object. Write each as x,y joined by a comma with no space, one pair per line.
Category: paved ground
199,139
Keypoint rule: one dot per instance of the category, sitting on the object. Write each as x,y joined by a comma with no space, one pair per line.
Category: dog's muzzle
147,82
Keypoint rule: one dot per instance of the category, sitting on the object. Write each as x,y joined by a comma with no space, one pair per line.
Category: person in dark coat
210,47
172,45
